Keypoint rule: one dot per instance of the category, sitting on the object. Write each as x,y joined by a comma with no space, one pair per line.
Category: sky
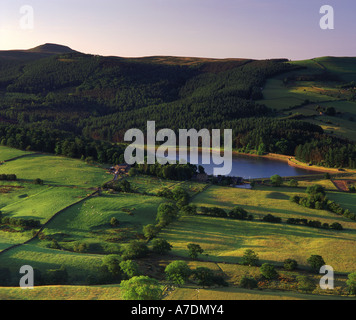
258,29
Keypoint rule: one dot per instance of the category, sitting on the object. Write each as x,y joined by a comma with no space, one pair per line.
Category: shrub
114,222
271,218
194,250
178,272
316,262
38,181
315,189
238,213
129,268
276,180
141,288
150,231
250,258
161,246
134,249
293,183
204,276
214,212
268,271
248,282
336,226
166,213
295,199
351,283
305,284
290,264
111,267
189,210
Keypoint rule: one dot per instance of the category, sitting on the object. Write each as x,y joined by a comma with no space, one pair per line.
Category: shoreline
291,160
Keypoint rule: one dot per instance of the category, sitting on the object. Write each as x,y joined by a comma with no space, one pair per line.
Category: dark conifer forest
80,105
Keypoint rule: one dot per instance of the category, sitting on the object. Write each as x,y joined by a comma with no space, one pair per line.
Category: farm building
120,168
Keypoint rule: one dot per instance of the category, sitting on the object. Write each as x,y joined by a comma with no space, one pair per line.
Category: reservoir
249,167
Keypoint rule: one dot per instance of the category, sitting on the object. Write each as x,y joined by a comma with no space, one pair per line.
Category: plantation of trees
81,105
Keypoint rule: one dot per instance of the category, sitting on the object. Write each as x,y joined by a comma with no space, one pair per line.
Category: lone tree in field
316,262
276,180
250,258
178,272
161,246
194,250
290,264
141,288
268,271
204,276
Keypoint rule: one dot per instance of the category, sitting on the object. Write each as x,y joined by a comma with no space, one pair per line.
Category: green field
226,240
280,97
39,202
10,153
89,221
56,171
110,292
241,294
78,265
78,219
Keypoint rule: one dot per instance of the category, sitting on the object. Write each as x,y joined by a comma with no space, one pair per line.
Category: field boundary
48,221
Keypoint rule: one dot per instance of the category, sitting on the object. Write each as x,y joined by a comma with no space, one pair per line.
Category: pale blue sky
202,28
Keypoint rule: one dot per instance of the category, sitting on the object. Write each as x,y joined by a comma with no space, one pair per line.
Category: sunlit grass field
91,218
232,293
78,265
9,153
39,202
110,292
226,240
56,171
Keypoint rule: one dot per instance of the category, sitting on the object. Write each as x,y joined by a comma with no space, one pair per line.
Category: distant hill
36,53
52,93
52,48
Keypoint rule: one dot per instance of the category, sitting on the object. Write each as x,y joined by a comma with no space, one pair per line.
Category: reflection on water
256,167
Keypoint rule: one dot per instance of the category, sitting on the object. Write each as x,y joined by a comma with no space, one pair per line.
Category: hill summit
52,48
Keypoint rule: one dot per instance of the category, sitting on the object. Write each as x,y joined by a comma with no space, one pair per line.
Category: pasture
78,265
226,240
10,153
58,171
109,292
89,221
